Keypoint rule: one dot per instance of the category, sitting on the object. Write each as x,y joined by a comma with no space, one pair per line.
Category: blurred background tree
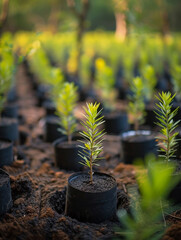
122,16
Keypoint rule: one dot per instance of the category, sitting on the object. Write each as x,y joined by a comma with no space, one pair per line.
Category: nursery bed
39,188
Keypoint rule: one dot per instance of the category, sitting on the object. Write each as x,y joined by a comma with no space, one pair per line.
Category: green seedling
176,80
149,80
7,69
147,218
136,106
66,103
93,137
105,82
167,139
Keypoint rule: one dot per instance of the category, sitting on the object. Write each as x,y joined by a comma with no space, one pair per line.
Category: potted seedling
167,138
115,121
66,148
8,126
52,121
149,80
137,143
56,83
91,197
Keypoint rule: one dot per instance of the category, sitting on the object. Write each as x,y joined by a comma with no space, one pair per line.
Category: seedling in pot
66,103
105,82
136,106
149,81
167,141
93,137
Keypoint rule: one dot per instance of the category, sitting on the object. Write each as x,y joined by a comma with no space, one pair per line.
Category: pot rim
86,173
131,133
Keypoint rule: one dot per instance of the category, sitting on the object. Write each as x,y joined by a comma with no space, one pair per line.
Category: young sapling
165,116
105,82
150,81
136,106
66,103
93,137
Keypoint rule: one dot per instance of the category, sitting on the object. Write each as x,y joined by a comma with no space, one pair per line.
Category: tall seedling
136,106
167,140
66,103
93,137
105,82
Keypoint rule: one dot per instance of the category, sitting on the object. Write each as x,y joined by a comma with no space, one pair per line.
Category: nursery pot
10,110
175,194
50,108
150,118
6,152
5,192
11,96
137,144
67,154
52,124
116,123
9,129
91,202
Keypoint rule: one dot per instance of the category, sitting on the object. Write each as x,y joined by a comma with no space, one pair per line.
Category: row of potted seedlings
9,134
83,186
143,138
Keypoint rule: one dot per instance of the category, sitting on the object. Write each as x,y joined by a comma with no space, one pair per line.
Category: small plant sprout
93,137
149,80
136,106
66,103
167,141
176,79
105,82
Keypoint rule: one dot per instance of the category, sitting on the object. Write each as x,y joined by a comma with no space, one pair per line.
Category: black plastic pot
116,123
49,108
67,154
150,118
5,192
9,129
175,194
87,206
6,152
10,111
52,124
12,96
137,145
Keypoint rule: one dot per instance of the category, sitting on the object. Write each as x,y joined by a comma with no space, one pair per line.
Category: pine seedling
149,80
93,137
66,103
105,82
165,116
136,106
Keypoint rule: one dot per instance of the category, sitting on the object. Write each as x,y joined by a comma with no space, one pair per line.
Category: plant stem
136,125
168,141
91,149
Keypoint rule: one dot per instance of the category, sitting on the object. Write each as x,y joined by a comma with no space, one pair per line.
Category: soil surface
39,187
100,183
139,137
73,144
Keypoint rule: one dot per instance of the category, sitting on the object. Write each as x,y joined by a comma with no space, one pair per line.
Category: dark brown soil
39,188
101,183
73,144
139,138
